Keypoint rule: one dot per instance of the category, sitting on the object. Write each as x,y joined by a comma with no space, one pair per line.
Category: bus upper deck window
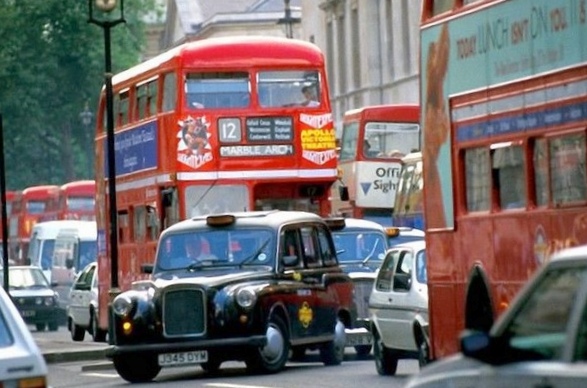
217,90
289,88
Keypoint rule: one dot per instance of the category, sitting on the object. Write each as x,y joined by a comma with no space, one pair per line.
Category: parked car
398,308
21,361
83,306
360,248
33,296
539,341
244,286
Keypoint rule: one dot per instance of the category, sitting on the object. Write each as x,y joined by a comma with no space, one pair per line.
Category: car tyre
211,366
40,326
332,352
98,335
136,368
385,361
77,332
423,353
53,325
273,356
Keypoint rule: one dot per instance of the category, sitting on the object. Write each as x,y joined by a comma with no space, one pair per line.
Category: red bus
34,204
78,200
212,126
504,118
373,141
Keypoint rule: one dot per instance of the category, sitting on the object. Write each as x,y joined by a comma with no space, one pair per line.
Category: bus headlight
122,305
246,298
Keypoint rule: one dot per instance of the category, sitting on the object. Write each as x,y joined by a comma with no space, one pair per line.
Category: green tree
51,67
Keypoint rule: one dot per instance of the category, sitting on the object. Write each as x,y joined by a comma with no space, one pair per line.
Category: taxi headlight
245,298
122,305
49,301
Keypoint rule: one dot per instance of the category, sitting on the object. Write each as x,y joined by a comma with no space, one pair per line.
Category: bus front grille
184,312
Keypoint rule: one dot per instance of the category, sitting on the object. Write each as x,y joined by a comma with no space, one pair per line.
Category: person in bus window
309,97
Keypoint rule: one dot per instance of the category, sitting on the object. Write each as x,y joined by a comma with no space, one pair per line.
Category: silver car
83,305
540,341
21,361
398,307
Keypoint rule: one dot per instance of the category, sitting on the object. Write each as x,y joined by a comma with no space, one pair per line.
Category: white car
83,305
21,361
540,341
398,307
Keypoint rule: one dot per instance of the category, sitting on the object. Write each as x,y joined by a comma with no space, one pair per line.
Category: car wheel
53,325
136,368
40,326
272,357
385,361
423,353
332,353
363,350
98,335
77,332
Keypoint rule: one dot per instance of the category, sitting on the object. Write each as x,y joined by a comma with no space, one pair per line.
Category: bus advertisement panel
217,125
78,200
504,151
373,141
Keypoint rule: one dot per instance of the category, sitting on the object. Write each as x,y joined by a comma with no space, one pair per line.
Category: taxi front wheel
137,368
272,357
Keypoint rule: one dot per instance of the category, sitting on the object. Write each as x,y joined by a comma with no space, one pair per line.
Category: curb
81,355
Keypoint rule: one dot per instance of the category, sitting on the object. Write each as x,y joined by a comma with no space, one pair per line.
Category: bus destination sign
269,129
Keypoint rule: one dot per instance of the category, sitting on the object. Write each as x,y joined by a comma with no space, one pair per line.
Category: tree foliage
51,68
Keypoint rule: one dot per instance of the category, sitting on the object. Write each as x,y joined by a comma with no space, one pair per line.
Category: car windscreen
216,248
353,246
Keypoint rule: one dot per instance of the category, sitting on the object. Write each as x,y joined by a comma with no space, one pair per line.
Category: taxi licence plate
183,358
27,313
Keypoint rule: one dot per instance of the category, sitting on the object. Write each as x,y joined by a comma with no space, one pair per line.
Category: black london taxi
248,286
360,248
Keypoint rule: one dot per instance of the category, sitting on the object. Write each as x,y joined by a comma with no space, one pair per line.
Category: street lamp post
288,20
107,6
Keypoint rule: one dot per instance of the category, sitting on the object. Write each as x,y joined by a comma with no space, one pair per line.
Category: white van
62,248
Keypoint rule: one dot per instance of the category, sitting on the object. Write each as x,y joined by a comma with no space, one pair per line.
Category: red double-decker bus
217,125
373,141
78,200
504,117
34,204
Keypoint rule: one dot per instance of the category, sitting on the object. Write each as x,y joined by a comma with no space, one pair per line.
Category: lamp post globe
105,5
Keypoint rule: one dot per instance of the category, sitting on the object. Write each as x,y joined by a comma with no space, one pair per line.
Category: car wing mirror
147,268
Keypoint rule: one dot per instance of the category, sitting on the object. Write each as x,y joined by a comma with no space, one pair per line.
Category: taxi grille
361,297
184,313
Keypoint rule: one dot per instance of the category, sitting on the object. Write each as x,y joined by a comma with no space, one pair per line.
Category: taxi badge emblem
305,315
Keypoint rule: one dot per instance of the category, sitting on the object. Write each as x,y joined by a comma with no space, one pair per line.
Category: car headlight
245,297
122,305
49,301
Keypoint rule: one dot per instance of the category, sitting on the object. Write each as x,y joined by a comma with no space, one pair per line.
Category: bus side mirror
69,263
343,191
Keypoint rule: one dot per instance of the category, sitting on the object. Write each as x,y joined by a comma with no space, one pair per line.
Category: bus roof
408,112
50,229
233,52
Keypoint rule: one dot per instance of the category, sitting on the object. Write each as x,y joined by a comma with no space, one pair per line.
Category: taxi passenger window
326,250
310,247
403,272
